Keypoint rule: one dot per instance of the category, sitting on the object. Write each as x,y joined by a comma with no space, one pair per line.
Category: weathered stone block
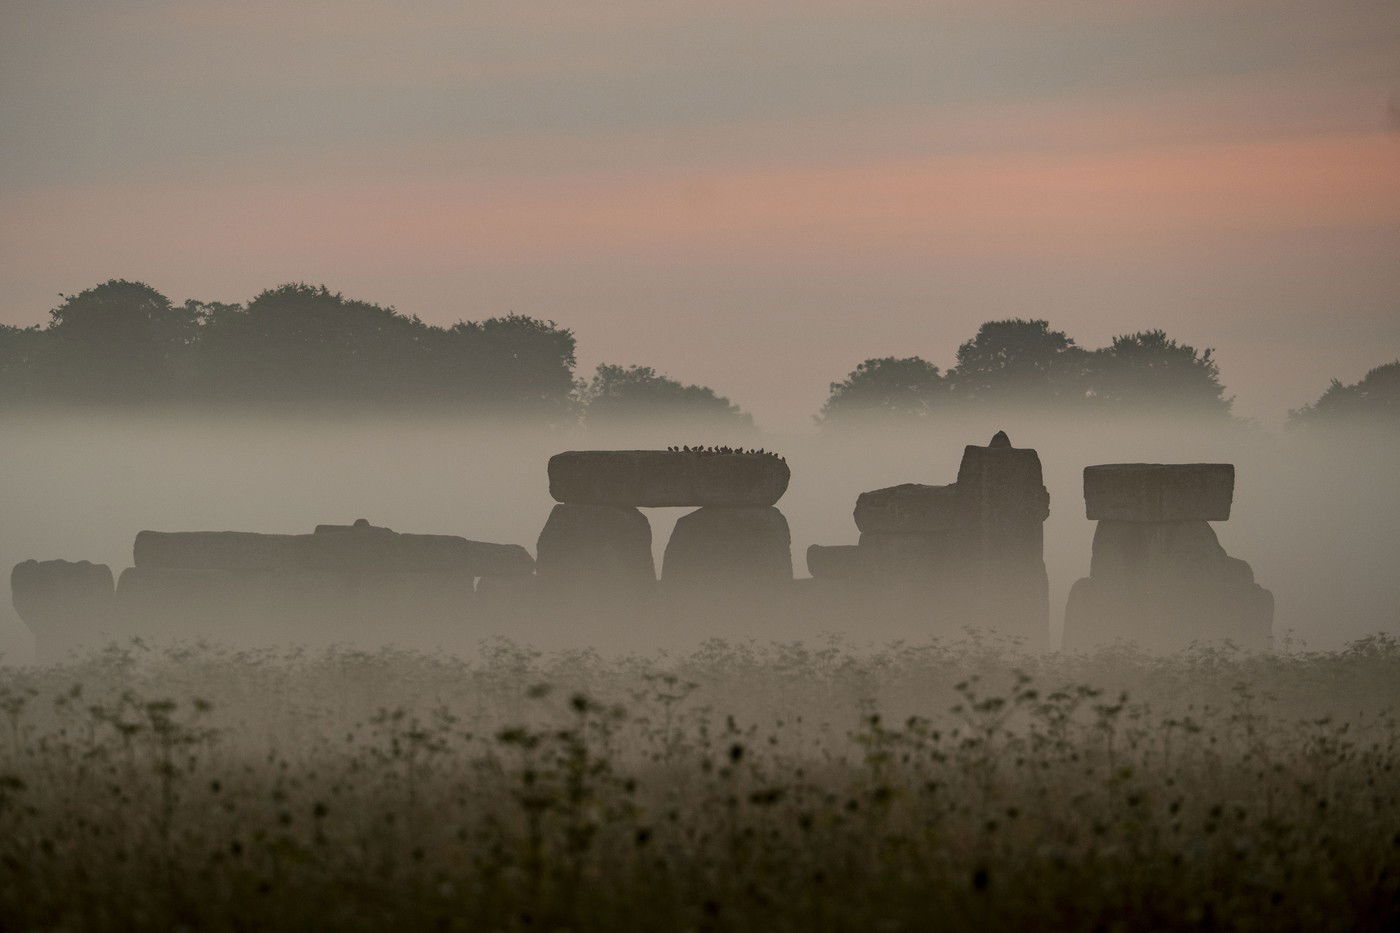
1159,553
909,508
60,593
905,557
660,478
216,550
149,599
368,547
1103,612
362,547
729,547
597,547
1000,483
836,562
1159,492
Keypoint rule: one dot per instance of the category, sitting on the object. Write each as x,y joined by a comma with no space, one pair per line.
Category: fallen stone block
909,508
836,562
729,547
151,598
662,478
1159,492
363,546
216,550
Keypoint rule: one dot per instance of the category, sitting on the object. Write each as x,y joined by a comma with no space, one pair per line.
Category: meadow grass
777,787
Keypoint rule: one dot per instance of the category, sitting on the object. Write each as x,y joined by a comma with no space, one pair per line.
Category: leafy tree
21,360
1375,400
1018,362
619,393
1150,371
886,388
118,341
515,363
299,342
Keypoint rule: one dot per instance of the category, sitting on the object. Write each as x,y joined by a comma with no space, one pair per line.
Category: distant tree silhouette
295,345
886,388
513,363
1018,362
620,393
301,343
20,365
1374,402
1148,371
117,342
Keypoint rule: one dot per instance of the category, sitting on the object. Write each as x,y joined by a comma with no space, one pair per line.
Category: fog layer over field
1318,518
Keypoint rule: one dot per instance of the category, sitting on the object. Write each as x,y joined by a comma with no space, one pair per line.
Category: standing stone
725,549
1002,542
65,604
597,549
1158,576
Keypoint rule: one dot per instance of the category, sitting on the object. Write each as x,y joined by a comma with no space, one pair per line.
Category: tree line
299,347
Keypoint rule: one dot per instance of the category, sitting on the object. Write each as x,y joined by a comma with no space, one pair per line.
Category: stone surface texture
910,508
723,548
595,547
1159,492
664,478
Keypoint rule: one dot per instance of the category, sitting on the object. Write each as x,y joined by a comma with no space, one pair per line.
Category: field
740,786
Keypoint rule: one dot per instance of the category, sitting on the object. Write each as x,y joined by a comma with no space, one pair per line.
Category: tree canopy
1150,371
293,346
621,393
1374,401
886,388
1021,364
1018,362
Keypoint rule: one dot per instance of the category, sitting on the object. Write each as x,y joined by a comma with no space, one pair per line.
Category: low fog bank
1317,517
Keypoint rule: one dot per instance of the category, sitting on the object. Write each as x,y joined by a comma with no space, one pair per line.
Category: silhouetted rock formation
62,602
1158,575
970,553
215,550
910,508
835,562
1003,543
198,601
344,581
663,478
361,546
595,550
724,550
1159,492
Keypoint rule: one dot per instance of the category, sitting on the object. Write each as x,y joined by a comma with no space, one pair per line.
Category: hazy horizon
751,197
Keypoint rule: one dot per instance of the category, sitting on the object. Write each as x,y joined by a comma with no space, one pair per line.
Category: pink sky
754,201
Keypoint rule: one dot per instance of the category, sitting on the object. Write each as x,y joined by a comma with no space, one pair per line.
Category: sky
755,196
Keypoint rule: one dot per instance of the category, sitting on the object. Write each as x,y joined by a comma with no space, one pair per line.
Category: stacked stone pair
597,541
1159,577
969,553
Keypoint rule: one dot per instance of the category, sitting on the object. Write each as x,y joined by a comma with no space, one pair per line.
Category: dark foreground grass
776,788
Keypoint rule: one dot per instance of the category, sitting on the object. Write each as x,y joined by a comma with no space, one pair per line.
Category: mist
1314,515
